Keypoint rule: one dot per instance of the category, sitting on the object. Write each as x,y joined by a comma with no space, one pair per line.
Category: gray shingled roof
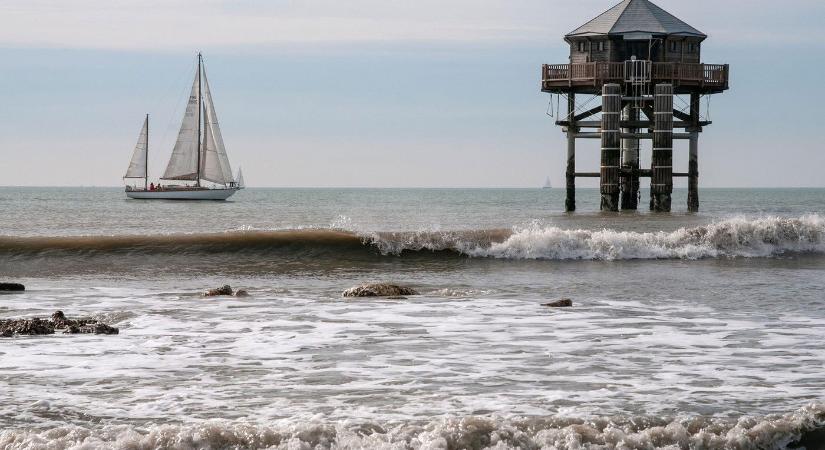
636,16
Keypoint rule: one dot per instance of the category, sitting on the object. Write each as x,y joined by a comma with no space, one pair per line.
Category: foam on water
738,237
802,427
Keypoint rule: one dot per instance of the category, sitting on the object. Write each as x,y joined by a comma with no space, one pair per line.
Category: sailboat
547,184
199,155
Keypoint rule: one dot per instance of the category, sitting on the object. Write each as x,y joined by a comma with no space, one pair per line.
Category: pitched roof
636,16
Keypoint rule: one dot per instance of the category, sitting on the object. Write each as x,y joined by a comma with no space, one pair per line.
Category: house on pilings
637,57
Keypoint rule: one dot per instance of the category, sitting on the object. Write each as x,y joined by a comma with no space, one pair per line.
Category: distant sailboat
199,154
547,184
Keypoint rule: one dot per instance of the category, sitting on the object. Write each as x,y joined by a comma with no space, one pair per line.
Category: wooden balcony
590,77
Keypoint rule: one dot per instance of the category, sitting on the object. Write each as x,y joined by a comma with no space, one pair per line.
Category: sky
378,93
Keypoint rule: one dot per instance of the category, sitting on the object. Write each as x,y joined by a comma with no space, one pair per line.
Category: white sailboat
547,184
199,155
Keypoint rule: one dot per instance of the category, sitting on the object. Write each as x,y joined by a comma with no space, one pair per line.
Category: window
601,46
581,46
692,48
674,46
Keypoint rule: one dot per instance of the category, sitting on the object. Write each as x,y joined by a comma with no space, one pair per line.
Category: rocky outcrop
12,287
57,322
225,290
563,303
26,327
379,290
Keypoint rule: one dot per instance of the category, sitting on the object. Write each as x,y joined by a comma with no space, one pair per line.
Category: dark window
601,46
581,46
673,46
692,48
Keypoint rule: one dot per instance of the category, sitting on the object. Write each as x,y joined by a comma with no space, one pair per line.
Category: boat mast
146,160
200,108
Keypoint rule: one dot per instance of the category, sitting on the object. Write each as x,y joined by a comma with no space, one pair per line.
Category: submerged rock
58,321
241,293
379,290
12,287
563,303
221,291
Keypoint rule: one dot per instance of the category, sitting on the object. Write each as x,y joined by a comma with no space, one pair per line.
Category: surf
731,238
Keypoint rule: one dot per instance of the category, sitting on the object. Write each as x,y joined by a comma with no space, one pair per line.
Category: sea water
688,330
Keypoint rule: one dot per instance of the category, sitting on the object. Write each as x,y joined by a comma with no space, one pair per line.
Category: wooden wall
672,49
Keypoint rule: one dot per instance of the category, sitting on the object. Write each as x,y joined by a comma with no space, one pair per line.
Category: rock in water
26,327
57,321
379,290
241,293
12,287
221,291
97,328
563,303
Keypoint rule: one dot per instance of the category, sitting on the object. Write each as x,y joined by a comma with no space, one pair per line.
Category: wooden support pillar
693,161
611,146
572,130
661,185
630,161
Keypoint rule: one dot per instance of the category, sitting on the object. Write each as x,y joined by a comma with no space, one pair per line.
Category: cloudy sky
377,92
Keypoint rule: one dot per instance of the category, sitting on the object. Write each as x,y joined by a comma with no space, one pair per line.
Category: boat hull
183,194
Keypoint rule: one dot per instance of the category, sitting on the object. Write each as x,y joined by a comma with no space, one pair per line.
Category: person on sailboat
151,186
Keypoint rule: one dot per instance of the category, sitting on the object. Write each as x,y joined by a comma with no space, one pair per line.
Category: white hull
184,194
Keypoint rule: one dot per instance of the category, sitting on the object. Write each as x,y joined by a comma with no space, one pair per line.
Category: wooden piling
611,146
661,186
572,130
693,161
630,161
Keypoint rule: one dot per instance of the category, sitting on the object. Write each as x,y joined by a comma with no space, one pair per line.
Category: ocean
687,331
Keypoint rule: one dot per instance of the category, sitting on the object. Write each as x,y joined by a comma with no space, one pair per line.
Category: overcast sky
377,92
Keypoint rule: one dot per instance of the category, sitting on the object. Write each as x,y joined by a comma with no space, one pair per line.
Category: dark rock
57,321
12,287
221,291
241,293
26,327
563,303
811,440
379,290
397,297
60,321
97,328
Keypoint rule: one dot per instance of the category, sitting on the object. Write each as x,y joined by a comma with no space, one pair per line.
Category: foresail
183,165
214,162
137,167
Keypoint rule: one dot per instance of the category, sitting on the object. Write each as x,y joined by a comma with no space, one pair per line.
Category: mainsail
214,162
183,165
137,166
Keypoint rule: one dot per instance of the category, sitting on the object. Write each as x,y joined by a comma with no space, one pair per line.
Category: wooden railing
597,73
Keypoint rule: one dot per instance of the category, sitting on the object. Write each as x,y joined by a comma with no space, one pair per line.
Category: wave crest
763,237
740,237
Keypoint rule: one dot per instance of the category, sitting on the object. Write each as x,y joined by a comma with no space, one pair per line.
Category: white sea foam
737,237
774,432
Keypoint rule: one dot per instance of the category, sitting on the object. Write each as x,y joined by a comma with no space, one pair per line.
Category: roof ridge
619,19
602,14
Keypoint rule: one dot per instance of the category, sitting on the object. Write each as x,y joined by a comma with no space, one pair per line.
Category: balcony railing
558,76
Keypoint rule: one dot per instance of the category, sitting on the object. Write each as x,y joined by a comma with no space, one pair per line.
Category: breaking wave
740,237
804,427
